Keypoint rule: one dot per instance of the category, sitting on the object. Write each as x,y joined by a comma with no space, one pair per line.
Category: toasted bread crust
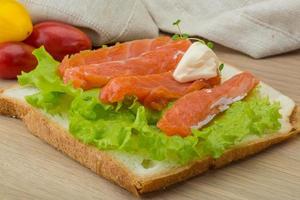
234,154
107,166
98,161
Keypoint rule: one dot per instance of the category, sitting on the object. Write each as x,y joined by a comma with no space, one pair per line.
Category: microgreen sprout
180,35
221,67
177,22
210,45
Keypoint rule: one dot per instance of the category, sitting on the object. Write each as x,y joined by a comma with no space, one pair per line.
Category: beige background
31,169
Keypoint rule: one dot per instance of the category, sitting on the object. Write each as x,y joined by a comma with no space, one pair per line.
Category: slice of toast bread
112,168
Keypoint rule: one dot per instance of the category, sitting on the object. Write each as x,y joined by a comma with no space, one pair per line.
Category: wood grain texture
31,169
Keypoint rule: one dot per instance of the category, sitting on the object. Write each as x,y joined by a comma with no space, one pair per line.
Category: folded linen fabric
258,28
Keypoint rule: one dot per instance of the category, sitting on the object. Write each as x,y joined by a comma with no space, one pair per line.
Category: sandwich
150,113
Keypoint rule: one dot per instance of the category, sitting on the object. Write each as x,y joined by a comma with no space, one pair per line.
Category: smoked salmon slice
197,108
118,52
154,91
158,61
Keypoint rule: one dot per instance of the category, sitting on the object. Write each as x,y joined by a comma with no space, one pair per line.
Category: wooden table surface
31,169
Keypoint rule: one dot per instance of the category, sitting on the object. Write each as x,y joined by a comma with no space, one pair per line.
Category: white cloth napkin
258,28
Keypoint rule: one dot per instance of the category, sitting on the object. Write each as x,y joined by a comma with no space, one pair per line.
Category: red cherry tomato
15,57
59,39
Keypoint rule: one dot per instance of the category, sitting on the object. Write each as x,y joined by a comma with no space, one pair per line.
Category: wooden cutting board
31,169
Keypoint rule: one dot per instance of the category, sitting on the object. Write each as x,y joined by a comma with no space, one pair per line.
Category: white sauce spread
199,61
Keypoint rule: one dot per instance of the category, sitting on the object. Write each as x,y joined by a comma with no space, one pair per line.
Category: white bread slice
127,170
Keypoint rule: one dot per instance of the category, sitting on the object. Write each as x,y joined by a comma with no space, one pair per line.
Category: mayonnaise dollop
199,61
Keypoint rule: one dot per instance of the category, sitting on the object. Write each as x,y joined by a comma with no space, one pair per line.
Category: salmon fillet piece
154,91
158,61
197,107
118,52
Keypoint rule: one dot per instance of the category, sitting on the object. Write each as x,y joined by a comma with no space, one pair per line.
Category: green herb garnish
210,45
181,36
177,22
221,67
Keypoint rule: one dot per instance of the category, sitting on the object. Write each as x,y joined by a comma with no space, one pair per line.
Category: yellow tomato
15,22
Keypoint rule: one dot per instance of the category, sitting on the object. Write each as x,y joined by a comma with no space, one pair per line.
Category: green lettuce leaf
130,127
54,96
254,116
